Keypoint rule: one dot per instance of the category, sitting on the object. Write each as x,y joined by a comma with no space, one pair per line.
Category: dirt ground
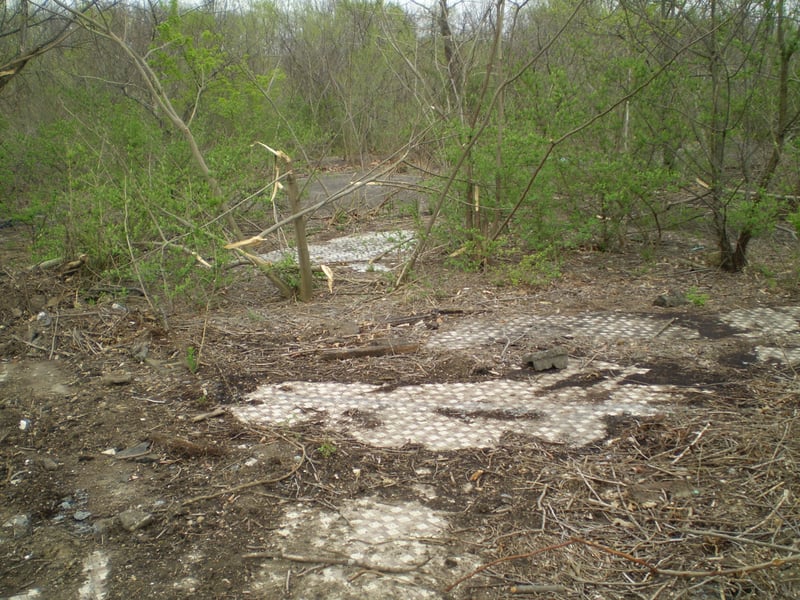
124,473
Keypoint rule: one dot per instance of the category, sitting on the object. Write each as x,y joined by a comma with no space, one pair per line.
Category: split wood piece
217,412
116,379
184,447
433,315
361,351
64,266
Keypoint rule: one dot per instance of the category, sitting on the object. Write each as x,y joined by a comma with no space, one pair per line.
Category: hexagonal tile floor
403,539
361,251
607,326
461,415
757,322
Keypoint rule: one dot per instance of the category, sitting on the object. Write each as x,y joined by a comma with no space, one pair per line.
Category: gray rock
103,527
187,585
671,300
134,451
48,464
554,358
19,525
134,519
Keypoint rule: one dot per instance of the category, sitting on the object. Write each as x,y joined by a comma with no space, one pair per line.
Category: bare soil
116,440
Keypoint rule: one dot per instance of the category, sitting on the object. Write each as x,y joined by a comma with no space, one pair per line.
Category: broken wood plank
362,351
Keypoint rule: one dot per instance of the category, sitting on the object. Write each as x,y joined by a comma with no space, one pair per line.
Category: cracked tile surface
359,251
459,415
364,533
487,330
449,416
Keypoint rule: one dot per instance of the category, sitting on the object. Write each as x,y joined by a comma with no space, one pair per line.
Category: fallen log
374,350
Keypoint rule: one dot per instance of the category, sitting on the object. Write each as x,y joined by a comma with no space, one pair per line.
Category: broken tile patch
782,323
788,356
608,326
460,415
361,251
368,536
758,322
449,416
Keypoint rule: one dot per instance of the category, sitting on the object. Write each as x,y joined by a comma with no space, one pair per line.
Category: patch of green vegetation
256,317
697,297
192,360
534,269
327,449
289,271
769,275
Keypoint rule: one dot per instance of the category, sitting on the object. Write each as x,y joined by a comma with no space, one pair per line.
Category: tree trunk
450,55
717,133
781,129
303,257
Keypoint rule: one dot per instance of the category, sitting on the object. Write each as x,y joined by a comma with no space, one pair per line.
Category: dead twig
503,559
536,589
32,345
251,484
711,533
736,571
692,444
209,415
664,328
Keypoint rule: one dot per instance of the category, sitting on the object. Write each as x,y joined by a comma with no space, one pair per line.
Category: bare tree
785,121
153,83
28,30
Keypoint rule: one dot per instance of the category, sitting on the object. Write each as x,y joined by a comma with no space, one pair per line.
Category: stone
671,300
101,528
134,451
19,525
116,379
187,585
554,358
134,519
48,464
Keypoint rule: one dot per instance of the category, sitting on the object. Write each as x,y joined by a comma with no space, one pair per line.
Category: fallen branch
498,561
736,571
252,484
663,329
361,351
537,589
268,269
209,415
32,345
711,533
